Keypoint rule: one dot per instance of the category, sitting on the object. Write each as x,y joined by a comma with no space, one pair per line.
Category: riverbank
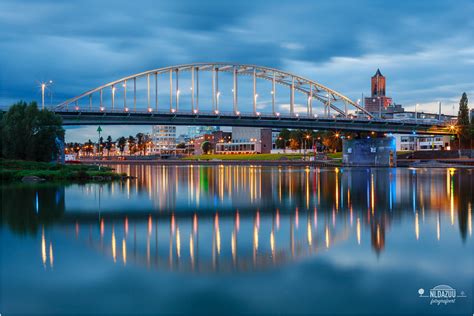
17,170
177,162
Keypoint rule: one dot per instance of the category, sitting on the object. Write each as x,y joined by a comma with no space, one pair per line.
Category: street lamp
43,87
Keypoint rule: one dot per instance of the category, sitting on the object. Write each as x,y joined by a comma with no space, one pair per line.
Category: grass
246,157
12,170
337,155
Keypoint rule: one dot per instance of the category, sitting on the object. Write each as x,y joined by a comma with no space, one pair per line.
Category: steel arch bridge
320,100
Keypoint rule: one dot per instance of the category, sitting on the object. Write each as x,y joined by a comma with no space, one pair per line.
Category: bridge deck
250,120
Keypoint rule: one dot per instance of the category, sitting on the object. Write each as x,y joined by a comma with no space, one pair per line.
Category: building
195,131
378,102
369,152
422,142
275,135
164,139
198,141
247,140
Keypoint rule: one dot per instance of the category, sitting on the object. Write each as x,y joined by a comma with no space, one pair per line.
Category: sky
424,48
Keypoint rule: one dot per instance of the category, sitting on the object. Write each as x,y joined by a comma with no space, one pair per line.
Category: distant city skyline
424,49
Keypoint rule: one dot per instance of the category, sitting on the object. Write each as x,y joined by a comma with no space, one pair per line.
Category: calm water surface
239,239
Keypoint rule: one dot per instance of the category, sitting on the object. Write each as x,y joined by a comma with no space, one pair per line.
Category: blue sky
424,48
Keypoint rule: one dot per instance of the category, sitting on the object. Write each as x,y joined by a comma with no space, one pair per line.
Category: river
240,239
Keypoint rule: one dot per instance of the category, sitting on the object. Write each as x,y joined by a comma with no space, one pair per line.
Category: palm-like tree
121,143
108,144
132,144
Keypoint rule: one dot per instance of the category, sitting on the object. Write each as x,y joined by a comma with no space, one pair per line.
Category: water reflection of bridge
230,241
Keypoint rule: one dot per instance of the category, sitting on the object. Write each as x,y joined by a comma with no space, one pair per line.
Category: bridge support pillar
376,152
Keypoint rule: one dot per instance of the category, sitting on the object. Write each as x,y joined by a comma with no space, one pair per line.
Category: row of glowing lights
175,231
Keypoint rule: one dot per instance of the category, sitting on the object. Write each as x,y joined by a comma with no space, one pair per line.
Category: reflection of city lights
233,245
327,237
469,218
296,218
173,224
51,257
255,238
438,228
150,224
417,227
178,243
114,253
237,221
272,244
277,219
191,249
43,248
358,230
195,223
309,233
124,251
378,234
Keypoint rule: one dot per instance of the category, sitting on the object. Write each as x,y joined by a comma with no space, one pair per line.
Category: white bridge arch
315,92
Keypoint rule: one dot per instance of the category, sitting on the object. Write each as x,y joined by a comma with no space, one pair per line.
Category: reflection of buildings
234,217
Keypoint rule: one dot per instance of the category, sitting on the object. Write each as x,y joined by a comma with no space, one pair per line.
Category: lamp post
43,87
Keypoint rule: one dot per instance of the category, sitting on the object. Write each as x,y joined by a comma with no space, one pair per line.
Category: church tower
378,84
378,102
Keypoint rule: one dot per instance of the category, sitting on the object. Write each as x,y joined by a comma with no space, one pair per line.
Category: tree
463,122
76,148
30,134
121,142
89,147
146,142
132,144
181,146
140,142
283,138
108,144
296,138
206,147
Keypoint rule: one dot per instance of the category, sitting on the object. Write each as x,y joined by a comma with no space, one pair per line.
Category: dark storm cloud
425,47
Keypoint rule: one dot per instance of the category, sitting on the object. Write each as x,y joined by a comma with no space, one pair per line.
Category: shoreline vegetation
32,171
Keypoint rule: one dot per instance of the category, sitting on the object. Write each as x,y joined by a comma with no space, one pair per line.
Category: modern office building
164,138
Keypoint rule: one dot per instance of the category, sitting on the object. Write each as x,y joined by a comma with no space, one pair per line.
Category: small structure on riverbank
369,152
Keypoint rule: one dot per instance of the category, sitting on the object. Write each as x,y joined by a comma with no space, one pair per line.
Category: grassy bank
246,157
12,170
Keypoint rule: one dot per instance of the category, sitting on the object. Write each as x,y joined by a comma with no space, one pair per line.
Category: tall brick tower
377,103
378,84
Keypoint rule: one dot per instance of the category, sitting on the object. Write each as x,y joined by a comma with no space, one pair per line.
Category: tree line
136,144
